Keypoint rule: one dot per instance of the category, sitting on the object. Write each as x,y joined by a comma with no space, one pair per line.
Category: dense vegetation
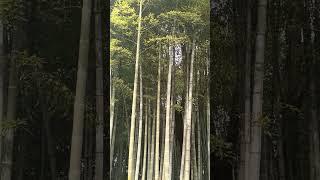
159,105
268,131
236,97
39,52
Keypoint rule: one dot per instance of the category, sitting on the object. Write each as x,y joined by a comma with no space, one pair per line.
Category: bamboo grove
199,89
159,117
52,90
264,89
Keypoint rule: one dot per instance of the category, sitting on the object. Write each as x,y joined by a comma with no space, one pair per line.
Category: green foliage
28,65
164,23
33,78
46,67
123,18
119,54
12,125
122,87
292,108
267,125
12,12
222,149
169,39
178,107
181,18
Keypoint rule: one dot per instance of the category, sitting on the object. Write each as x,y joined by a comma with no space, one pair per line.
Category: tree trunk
135,150
187,138
255,150
152,145
177,160
21,156
172,116
46,116
8,138
140,129
162,148
2,80
157,141
122,159
264,158
314,125
99,94
185,115
43,153
166,170
208,118
276,86
85,153
192,169
77,130
199,134
112,99
282,175
149,143
113,123
51,150
91,151
245,141
193,147
113,139
131,162
112,90
145,143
